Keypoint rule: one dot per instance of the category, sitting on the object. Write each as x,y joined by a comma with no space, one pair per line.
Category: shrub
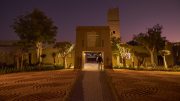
175,68
29,69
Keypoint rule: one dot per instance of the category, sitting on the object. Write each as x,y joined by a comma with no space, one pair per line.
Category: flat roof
92,27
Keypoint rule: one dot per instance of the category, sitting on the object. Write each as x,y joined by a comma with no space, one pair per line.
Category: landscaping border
73,86
110,84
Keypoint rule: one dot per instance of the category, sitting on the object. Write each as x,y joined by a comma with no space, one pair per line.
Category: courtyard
123,50
37,86
91,84
133,85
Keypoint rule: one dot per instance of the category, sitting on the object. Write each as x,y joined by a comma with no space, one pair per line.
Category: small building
97,39
94,39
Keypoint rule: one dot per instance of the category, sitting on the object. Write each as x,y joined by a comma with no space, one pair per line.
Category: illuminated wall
93,38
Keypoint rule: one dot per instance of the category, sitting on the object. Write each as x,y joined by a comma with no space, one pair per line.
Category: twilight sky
135,16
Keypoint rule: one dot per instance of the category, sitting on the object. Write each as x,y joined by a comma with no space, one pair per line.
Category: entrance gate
89,59
93,39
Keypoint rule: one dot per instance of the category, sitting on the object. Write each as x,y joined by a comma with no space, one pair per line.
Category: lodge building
90,41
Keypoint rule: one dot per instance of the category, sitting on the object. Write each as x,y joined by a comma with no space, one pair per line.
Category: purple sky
135,16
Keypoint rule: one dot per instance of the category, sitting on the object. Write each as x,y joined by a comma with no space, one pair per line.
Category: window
114,32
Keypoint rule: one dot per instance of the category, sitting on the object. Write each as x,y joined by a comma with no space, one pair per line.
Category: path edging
109,80
72,86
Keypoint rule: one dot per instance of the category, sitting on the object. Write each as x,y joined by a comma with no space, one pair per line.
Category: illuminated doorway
89,59
92,39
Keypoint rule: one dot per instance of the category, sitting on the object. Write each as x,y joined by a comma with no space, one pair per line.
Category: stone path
92,86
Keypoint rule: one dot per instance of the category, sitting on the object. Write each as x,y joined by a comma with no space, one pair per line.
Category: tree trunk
133,61
39,51
17,62
59,59
165,63
30,56
22,58
152,58
140,61
117,60
64,62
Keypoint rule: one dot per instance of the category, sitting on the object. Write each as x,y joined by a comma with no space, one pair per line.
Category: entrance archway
89,59
93,39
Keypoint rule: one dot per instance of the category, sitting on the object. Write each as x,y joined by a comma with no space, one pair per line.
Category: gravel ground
146,85
36,86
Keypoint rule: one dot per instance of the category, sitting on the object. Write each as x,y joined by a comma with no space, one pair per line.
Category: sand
36,86
146,85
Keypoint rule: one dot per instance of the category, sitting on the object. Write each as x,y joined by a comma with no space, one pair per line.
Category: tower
113,22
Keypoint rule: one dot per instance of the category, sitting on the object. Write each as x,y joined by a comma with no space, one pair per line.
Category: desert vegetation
146,51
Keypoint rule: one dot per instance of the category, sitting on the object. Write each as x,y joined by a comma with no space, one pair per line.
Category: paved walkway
92,86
